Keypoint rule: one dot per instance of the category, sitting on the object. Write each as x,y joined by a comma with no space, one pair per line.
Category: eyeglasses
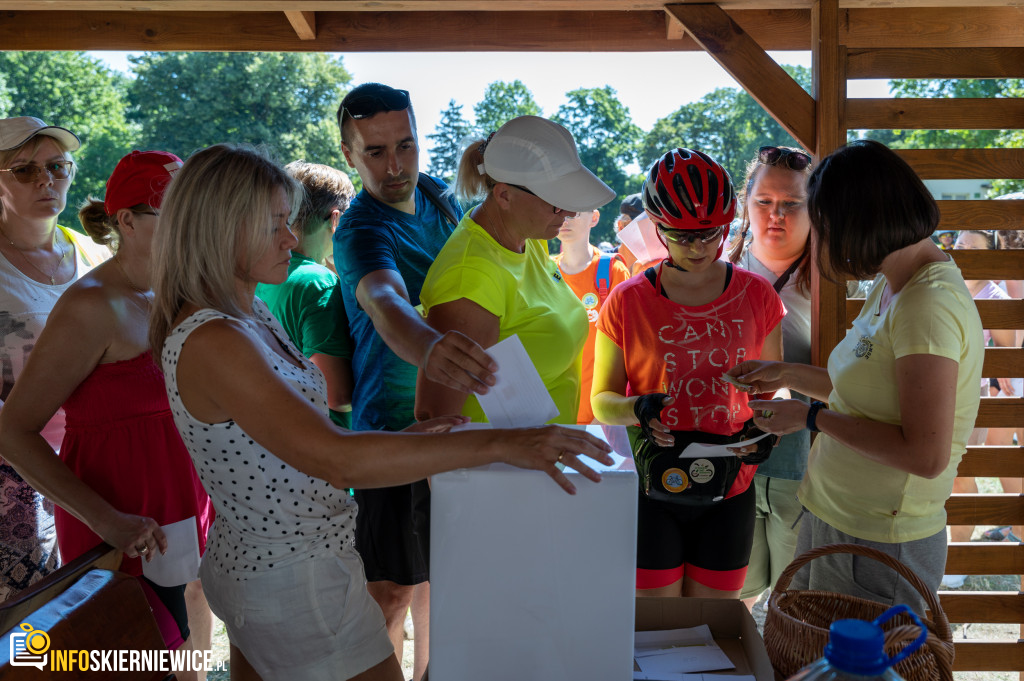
57,170
154,213
791,158
368,105
554,209
686,237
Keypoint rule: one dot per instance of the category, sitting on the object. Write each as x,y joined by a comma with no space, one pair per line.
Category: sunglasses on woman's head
57,170
368,105
686,237
792,159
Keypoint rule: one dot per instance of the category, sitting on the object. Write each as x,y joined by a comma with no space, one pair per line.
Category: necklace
117,261
50,275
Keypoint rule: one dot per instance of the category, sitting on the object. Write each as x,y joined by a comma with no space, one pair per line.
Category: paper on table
640,237
679,651
180,565
519,397
695,449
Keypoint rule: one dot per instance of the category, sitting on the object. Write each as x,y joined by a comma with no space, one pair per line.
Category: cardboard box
528,583
730,623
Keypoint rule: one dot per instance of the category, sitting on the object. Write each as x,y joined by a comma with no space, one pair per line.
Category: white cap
541,155
14,132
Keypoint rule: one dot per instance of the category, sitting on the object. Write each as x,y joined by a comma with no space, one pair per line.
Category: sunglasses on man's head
58,170
792,159
687,237
369,104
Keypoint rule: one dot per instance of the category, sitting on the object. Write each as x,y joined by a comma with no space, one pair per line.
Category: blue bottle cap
857,647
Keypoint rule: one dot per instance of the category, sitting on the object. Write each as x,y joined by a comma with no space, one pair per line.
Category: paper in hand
518,398
180,565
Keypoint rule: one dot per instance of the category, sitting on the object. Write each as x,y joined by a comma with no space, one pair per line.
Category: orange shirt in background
584,285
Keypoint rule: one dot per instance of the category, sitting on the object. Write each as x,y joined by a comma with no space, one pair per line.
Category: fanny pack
690,481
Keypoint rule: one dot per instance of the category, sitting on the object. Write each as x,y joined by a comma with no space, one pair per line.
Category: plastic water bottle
856,651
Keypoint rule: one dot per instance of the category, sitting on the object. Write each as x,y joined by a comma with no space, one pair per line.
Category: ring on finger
561,455
144,549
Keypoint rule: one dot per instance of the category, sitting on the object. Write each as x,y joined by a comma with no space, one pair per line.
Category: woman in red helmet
666,337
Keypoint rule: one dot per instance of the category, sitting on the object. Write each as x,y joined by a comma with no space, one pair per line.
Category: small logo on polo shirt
864,347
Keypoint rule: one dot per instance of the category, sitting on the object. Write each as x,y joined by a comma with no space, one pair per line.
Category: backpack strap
432,190
603,276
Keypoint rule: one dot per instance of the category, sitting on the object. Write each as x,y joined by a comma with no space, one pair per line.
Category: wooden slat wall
947,43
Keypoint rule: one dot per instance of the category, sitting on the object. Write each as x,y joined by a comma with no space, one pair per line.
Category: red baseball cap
141,177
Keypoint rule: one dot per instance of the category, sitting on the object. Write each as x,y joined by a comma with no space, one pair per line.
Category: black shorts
393,533
716,537
173,598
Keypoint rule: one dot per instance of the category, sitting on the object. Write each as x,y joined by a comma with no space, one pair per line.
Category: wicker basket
796,626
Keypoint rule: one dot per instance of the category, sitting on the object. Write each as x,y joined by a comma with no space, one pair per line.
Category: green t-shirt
308,304
932,315
526,292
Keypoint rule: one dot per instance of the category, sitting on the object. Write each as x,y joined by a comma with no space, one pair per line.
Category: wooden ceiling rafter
747,62
304,23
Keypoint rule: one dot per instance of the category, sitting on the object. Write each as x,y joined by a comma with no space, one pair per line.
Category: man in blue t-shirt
383,248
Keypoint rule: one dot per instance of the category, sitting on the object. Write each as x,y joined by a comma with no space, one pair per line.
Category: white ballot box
528,582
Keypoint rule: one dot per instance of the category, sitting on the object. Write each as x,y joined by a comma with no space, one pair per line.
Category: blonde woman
281,570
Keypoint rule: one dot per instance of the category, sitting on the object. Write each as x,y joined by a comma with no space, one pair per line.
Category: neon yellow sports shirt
526,292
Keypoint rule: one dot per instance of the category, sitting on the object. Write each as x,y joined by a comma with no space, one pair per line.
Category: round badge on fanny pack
702,470
674,480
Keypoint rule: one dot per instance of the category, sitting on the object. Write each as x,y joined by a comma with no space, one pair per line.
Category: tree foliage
286,101
726,123
448,138
501,103
77,92
607,140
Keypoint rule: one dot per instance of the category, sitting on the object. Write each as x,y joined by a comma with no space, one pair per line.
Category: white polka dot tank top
268,513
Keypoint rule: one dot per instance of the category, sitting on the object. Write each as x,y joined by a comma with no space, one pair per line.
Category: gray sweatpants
865,577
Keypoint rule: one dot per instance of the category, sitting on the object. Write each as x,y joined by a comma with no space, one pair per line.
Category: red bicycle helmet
688,189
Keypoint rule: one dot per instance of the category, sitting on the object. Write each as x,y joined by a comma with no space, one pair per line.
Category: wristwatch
812,415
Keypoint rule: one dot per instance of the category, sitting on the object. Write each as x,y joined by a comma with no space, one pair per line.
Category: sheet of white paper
519,397
180,565
616,436
679,651
641,239
695,449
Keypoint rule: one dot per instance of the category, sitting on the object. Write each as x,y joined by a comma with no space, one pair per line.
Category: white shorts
310,620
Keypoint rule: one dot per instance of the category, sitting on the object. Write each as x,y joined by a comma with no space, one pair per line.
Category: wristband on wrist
812,415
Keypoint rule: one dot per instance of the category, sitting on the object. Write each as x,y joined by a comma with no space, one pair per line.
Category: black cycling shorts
717,537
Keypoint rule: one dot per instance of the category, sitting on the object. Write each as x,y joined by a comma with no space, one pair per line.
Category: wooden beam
304,24
746,61
1000,412
992,462
965,164
1000,607
985,509
447,5
988,656
995,314
829,81
982,214
965,25
998,265
562,31
965,113
989,558
964,62
1003,362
